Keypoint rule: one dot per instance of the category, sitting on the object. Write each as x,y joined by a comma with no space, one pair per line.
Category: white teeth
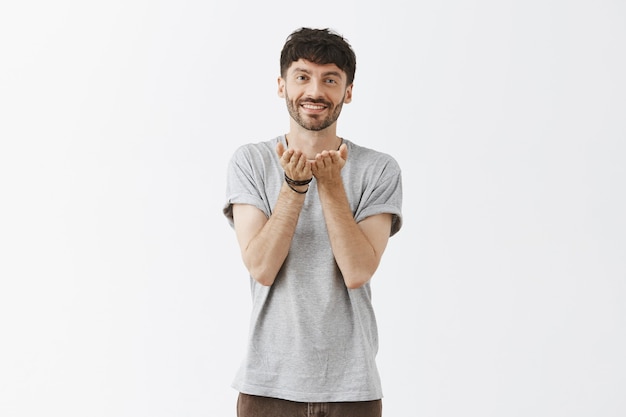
312,107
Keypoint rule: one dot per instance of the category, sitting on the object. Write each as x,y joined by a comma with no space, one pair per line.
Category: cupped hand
294,163
328,164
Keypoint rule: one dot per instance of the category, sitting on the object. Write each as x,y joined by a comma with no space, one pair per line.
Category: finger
320,161
288,155
335,157
306,169
280,149
323,156
343,151
301,162
314,168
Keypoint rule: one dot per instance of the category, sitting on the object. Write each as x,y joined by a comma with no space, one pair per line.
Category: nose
315,88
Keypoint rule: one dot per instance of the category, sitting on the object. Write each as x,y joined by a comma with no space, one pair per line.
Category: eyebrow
325,74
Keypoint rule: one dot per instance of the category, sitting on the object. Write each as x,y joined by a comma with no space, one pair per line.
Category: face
314,93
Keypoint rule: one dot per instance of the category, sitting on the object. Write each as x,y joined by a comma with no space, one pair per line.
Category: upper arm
248,221
377,229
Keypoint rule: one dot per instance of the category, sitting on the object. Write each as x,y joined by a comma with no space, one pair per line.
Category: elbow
354,281
262,275
359,275
264,281
259,270
354,284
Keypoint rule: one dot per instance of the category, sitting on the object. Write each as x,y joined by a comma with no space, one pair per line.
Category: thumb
280,149
343,151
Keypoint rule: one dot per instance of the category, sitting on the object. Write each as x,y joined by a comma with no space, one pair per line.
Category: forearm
265,253
355,255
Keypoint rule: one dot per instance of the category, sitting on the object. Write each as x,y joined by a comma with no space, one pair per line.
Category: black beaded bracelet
299,192
297,182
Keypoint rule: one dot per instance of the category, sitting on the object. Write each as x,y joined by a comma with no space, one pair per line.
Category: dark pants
255,406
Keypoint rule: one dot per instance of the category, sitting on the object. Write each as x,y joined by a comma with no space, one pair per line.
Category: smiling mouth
313,106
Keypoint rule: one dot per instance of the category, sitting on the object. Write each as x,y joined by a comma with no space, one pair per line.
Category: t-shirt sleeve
384,196
242,184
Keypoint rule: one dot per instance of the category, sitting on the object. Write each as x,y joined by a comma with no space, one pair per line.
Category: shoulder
257,148
256,154
368,158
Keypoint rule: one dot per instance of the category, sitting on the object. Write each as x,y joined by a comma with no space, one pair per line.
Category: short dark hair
320,46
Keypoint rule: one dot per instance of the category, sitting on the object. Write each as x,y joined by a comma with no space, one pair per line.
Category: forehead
302,65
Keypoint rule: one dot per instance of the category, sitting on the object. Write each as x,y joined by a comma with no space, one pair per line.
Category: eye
301,77
331,81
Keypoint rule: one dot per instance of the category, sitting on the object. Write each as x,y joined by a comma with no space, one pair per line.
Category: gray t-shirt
311,339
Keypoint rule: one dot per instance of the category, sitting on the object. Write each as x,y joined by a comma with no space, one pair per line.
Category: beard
313,123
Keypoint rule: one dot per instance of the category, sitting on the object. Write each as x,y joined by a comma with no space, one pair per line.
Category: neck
312,142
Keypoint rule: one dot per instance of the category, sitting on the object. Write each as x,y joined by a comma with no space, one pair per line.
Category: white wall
122,292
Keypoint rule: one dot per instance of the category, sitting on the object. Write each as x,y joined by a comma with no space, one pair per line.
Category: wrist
291,181
299,186
300,189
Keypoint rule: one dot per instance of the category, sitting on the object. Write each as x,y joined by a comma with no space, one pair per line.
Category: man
312,213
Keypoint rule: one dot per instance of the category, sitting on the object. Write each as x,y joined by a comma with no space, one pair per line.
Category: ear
348,96
281,87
